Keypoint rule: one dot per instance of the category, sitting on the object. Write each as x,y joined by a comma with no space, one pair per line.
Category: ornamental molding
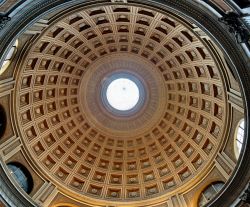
4,19
236,26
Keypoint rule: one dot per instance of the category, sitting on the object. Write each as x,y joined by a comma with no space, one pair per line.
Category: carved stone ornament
3,20
246,196
236,26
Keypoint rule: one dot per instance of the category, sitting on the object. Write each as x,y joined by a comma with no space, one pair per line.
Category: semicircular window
22,176
3,121
239,137
9,57
209,193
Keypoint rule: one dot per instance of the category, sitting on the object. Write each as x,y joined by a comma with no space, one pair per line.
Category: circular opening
123,94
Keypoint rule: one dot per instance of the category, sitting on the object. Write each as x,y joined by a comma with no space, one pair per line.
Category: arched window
3,121
22,176
9,57
239,137
209,193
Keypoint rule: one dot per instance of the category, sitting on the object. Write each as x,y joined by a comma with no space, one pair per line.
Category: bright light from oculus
122,94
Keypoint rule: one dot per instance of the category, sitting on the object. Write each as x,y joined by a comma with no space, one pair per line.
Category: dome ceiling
90,152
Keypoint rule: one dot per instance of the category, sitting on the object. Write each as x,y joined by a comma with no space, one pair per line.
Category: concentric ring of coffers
89,157
150,108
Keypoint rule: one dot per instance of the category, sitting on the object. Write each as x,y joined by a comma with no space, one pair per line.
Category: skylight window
123,94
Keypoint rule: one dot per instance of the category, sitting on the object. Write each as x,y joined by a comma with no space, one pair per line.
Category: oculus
123,93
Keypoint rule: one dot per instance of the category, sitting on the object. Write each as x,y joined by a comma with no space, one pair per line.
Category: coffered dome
94,151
